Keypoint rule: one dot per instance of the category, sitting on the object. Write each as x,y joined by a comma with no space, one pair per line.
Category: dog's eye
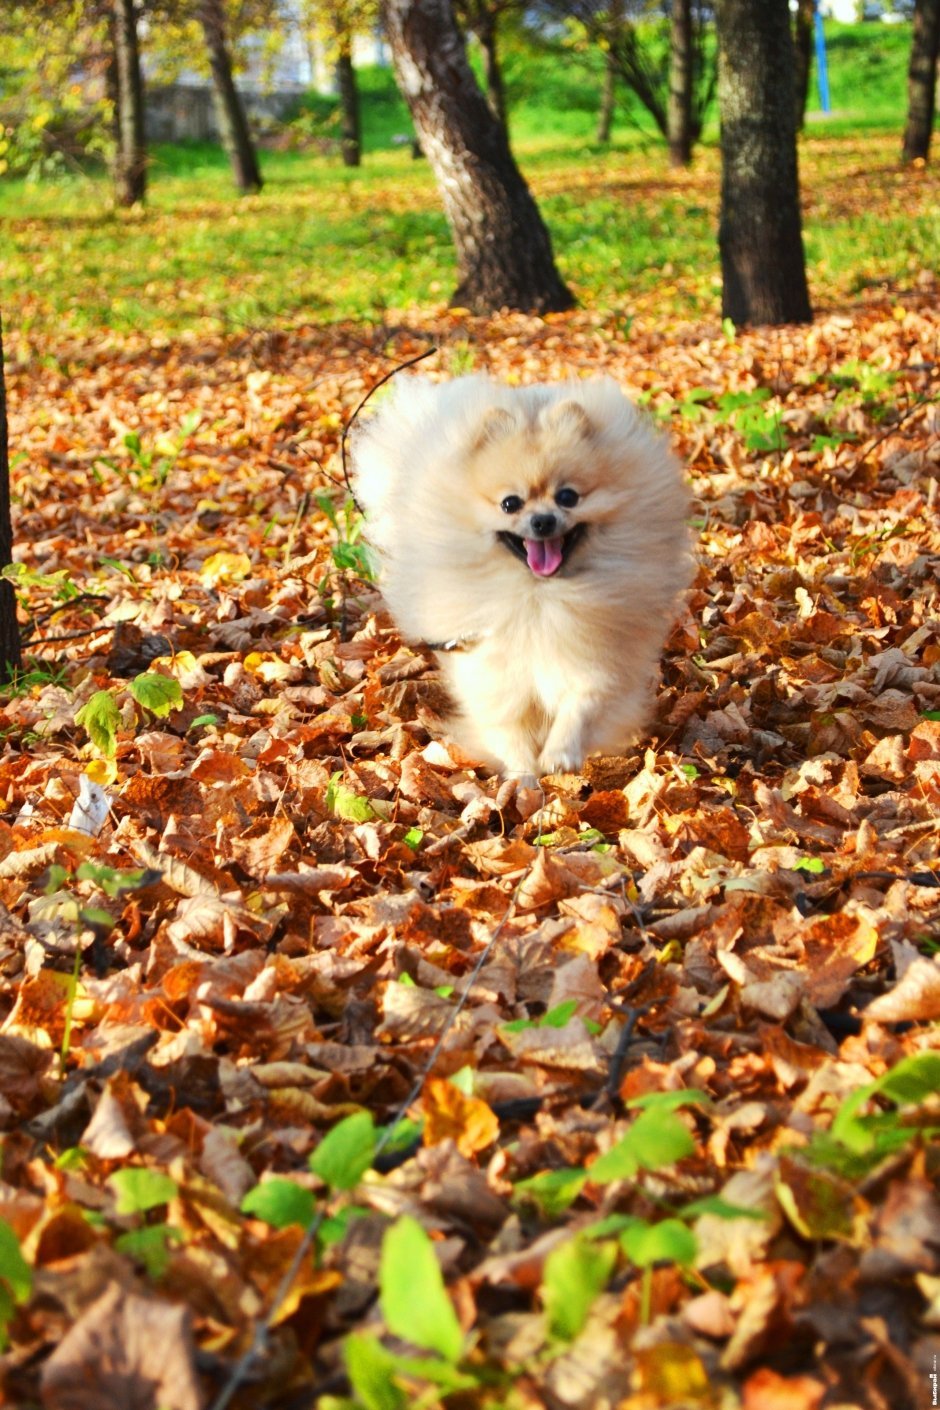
511,504
567,498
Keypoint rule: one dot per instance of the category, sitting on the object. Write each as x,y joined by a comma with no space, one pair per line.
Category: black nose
543,525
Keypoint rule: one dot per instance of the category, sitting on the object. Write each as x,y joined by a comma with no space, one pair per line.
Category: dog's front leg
570,738
512,751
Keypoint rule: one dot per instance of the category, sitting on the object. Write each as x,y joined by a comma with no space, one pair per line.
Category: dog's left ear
569,416
495,426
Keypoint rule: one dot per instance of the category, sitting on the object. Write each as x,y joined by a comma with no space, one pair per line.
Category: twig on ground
352,420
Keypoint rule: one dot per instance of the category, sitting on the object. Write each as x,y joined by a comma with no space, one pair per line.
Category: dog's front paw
560,761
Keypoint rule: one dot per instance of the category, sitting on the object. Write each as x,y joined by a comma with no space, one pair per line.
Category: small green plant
872,542
343,803
575,1274
558,1017
100,716
281,1203
349,553
860,384
60,583
37,676
62,904
416,1307
16,1278
151,466
880,1119
139,1191
340,1160
748,412
757,423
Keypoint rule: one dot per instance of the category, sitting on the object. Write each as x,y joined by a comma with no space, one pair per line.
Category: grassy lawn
321,242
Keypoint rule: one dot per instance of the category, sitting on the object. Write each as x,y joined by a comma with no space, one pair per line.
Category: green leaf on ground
100,718
139,1189
346,1152
281,1203
575,1274
413,1298
157,693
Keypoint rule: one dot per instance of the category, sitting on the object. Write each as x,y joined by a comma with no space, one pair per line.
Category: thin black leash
352,420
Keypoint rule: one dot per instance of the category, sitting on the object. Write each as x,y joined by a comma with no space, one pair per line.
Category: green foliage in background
323,243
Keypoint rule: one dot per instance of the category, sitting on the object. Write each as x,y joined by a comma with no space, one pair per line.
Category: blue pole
822,68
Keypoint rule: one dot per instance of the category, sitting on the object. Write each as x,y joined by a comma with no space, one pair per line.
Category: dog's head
539,482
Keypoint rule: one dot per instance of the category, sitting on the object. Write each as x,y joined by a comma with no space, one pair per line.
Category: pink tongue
544,555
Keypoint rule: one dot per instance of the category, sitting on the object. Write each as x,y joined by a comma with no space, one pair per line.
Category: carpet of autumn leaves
746,908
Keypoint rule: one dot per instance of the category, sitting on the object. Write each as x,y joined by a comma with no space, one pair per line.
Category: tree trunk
605,117
631,58
612,28
351,138
492,72
236,138
804,23
760,235
10,658
681,80
130,164
504,252
110,75
922,81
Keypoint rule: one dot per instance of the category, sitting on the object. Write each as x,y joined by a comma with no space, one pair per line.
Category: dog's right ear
496,424
568,416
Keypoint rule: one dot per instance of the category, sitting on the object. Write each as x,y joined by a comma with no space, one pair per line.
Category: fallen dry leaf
298,876
124,1351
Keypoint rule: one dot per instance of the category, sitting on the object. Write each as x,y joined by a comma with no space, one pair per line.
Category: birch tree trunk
130,163
760,234
504,251
233,124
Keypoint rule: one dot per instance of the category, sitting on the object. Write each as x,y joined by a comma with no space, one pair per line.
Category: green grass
867,76
322,242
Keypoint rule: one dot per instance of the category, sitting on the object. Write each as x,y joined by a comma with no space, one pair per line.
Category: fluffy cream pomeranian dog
535,537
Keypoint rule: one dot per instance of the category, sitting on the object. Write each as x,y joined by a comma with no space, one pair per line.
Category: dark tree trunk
233,124
804,24
605,116
760,235
351,138
922,81
613,26
504,252
130,164
492,72
110,74
10,658
681,80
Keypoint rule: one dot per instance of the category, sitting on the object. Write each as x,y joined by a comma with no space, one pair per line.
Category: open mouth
544,556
